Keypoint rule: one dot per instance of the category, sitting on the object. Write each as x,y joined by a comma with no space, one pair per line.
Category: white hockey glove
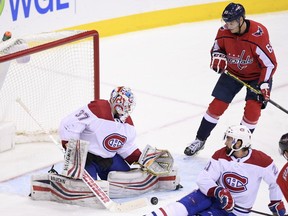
156,161
265,91
218,62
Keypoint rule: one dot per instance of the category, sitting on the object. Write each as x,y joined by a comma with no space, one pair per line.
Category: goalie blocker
156,172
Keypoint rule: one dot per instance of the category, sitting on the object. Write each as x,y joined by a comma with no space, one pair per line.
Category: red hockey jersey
250,56
282,180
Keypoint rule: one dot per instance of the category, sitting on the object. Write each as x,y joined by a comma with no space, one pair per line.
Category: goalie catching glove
156,161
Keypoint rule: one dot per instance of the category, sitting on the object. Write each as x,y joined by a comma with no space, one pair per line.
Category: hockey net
61,75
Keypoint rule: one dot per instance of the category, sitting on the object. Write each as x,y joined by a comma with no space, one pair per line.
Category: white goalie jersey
95,124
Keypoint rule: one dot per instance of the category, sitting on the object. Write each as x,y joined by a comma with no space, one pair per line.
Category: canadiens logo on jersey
113,142
235,182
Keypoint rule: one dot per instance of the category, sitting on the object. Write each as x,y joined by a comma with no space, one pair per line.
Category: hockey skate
194,147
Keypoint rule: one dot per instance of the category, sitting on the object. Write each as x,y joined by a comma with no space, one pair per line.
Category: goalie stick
89,181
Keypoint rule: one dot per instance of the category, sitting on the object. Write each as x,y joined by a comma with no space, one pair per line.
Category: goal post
53,75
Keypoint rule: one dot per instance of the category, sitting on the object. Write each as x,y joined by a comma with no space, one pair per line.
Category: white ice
168,69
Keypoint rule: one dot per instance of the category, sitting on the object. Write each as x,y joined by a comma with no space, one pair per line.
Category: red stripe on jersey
102,109
221,153
282,181
134,156
259,158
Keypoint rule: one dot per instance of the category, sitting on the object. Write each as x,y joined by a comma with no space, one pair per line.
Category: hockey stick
25,108
89,181
256,91
254,211
260,213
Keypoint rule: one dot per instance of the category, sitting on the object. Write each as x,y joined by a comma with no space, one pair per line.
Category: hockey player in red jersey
282,179
241,47
229,183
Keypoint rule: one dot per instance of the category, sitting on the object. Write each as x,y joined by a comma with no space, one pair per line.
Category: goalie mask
122,102
238,132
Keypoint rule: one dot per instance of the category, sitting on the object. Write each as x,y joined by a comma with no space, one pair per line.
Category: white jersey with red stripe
242,176
106,136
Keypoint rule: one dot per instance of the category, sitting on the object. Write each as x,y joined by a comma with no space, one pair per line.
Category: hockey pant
197,203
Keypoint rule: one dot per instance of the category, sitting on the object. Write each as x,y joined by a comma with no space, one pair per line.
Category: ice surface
168,69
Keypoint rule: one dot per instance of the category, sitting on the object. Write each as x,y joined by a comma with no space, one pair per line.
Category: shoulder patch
258,33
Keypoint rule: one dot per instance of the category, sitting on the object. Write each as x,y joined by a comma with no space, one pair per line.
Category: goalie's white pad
53,187
137,182
75,159
156,161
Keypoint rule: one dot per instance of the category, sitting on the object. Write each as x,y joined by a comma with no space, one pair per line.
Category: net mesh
51,85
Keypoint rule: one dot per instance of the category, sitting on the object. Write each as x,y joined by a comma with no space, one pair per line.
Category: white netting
52,84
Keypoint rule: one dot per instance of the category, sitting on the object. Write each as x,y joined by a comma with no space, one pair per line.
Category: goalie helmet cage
61,75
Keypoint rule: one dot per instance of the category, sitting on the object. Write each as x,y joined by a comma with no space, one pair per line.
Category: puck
154,200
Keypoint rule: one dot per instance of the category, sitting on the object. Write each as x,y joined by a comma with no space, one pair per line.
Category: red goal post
61,74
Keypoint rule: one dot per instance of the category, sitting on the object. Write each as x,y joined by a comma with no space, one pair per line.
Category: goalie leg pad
75,159
137,182
131,183
53,187
170,181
